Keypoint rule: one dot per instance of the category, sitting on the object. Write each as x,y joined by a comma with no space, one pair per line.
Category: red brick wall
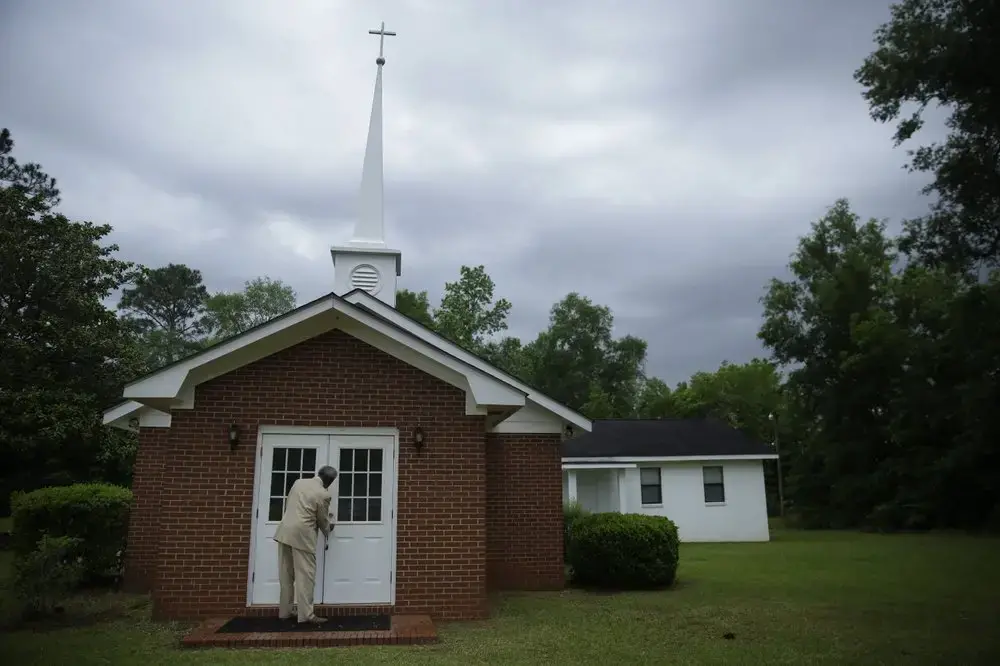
524,520
206,493
143,525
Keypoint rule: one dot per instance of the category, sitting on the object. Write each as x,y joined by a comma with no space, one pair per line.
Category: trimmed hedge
572,512
624,551
96,514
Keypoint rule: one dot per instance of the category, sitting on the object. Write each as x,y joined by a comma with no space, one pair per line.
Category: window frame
288,475
658,485
353,473
721,484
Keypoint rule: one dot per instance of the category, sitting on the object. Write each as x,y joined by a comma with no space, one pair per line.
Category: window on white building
715,489
649,485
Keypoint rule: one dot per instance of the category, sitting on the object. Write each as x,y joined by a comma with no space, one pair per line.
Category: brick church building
450,482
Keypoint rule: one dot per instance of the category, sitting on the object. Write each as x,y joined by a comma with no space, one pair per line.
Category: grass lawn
805,598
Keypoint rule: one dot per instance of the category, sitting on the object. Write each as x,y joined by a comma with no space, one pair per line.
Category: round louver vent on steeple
365,277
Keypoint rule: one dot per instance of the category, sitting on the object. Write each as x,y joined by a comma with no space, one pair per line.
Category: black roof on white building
662,438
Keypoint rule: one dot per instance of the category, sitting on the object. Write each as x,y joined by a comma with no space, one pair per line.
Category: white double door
357,568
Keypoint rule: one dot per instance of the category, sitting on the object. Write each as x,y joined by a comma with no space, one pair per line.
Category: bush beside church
65,537
620,551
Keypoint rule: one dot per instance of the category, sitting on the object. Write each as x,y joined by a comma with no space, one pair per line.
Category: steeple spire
365,262
369,230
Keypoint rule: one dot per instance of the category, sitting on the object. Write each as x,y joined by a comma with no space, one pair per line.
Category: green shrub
94,513
572,512
624,551
48,574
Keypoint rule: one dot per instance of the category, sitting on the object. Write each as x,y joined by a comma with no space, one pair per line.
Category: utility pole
777,449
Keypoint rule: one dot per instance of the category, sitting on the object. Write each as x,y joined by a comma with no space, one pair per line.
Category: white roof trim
121,416
600,466
167,382
412,327
668,459
171,386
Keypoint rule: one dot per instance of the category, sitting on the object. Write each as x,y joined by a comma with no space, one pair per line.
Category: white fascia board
167,383
600,466
413,328
486,391
171,386
669,459
120,416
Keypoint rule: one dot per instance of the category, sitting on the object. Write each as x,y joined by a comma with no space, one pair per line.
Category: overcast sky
660,157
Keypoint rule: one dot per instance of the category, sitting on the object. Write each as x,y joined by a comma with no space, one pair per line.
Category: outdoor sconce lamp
569,431
418,438
234,436
133,423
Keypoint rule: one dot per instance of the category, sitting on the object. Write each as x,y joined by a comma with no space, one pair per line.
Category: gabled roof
662,439
412,326
487,388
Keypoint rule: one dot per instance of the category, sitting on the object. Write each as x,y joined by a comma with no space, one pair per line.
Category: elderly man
307,510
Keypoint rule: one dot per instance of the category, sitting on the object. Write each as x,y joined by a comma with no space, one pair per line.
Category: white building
703,474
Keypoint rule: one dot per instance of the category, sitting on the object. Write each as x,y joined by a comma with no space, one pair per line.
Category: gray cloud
659,157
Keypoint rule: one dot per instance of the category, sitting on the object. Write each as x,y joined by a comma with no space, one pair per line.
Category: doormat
272,625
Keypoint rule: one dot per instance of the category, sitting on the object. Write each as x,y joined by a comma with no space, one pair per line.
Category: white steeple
366,262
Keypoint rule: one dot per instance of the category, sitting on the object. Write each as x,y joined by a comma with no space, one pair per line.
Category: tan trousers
297,577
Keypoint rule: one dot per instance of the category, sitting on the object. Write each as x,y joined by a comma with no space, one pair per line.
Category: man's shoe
314,620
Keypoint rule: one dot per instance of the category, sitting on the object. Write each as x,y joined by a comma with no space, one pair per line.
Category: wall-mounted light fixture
234,436
418,438
569,431
133,423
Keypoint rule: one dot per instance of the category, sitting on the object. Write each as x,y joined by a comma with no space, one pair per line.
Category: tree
415,305
830,325
942,411
166,307
26,179
467,315
743,395
63,356
232,313
656,400
578,362
508,354
939,52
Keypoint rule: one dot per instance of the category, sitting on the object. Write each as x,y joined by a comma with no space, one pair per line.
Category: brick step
405,630
323,610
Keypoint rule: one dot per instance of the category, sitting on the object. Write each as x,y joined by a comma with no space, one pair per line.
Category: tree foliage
63,355
943,52
468,314
415,305
231,313
892,374
578,361
166,307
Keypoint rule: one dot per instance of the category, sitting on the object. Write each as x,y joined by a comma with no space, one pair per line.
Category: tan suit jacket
306,510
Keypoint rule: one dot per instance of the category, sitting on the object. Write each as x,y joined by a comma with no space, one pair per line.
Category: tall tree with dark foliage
63,355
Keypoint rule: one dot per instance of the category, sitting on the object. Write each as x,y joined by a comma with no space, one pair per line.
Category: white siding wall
743,516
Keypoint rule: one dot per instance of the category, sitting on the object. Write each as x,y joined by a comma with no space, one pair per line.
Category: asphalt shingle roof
661,438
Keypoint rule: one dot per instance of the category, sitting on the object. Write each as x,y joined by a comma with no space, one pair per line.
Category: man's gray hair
327,473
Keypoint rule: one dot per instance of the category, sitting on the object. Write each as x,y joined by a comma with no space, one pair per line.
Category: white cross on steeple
381,32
